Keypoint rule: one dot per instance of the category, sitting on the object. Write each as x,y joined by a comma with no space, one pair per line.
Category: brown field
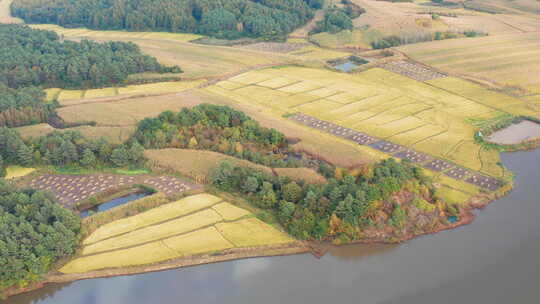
308,175
507,60
410,19
5,13
115,135
35,131
121,113
197,164
71,189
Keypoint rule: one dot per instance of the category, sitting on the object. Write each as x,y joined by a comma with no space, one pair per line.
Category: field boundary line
429,137
158,223
151,241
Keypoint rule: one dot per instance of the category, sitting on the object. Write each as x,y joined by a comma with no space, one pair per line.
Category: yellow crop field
98,93
199,224
179,208
431,117
452,196
13,172
140,255
156,232
70,94
251,232
230,212
160,87
511,60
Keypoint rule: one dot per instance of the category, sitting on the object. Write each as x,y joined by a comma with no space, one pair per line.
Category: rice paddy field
431,117
508,60
196,225
72,97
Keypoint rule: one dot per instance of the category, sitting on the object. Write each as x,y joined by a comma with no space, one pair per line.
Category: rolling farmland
429,118
195,225
508,60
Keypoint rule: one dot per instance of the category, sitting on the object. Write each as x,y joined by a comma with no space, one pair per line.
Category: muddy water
516,133
493,260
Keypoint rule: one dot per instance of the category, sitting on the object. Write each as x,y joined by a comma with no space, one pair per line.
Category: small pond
346,67
516,133
113,203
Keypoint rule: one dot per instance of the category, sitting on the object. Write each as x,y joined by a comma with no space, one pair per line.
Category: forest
31,60
216,128
35,231
66,149
338,210
224,19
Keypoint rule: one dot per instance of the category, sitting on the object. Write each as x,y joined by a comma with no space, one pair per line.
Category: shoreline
318,249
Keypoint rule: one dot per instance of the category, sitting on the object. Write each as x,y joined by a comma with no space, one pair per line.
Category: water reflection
493,260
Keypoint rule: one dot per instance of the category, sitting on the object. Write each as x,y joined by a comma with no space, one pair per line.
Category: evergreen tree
88,158
25,156
120,157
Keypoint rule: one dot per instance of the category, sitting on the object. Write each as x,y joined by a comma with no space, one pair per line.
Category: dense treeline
66,149
225,18
337,19
34,59
35,232
23,106
216,128
30,57
341,209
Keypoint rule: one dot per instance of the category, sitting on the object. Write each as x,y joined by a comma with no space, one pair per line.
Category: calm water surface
494,260
114,203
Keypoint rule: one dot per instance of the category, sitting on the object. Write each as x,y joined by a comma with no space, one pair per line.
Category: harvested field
70,189
507,60
306,174
356,38
35,131
196,60
274,47
196,164
200,224
412,70
125,112
13,172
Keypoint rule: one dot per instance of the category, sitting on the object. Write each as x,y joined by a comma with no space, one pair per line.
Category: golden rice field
13,172
71,97
511,60
198,224
428,117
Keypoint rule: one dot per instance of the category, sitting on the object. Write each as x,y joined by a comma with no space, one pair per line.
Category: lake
493,260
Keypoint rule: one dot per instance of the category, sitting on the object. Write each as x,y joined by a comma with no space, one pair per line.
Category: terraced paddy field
71,189
509,60
195,225
425,121
74,97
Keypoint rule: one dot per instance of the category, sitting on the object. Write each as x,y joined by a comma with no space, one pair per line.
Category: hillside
227,19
